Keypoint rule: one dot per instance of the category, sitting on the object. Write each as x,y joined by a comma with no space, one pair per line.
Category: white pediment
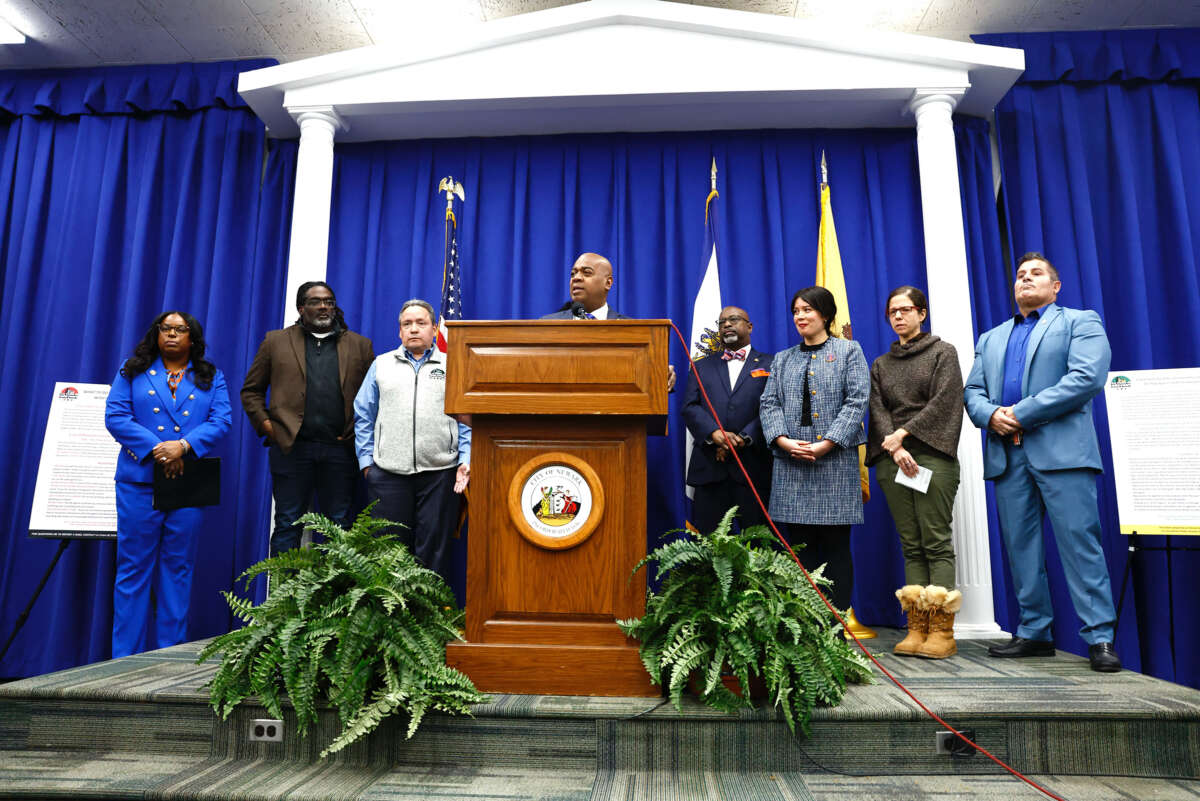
629,65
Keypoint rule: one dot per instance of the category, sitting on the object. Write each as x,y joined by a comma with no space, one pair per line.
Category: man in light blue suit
1031,388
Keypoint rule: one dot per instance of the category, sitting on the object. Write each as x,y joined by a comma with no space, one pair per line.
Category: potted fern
354,621
733,603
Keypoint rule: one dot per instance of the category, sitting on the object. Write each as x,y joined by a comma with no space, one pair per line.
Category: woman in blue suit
812,412
167,405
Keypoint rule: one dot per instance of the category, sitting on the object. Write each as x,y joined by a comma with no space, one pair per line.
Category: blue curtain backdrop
124,192
534,203
130,190
1098,145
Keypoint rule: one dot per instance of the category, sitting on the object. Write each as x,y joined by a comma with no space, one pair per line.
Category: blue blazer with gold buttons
140,413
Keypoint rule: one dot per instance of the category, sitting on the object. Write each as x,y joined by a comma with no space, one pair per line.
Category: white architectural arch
642,65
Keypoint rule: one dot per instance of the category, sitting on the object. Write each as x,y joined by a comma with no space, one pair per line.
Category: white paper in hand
920,482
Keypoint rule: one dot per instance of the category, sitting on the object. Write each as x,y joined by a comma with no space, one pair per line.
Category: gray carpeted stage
140,727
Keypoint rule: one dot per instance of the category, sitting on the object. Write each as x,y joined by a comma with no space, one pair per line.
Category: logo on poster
68,394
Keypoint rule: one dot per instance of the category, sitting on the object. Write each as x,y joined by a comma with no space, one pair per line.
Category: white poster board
1154,421
75,495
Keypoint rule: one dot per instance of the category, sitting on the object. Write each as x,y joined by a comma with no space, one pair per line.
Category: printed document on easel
1155,433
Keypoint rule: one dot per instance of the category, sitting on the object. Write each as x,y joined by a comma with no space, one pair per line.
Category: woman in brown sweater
916,417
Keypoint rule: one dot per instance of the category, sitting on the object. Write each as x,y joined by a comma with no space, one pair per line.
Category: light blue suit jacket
1066,366
140,413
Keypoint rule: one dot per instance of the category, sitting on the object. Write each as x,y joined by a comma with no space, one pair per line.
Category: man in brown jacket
313,369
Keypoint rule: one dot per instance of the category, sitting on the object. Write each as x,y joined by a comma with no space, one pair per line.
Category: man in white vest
413,455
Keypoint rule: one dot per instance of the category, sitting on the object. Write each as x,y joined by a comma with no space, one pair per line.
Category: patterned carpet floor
140,727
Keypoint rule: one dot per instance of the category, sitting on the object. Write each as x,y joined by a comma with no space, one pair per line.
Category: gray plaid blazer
826,492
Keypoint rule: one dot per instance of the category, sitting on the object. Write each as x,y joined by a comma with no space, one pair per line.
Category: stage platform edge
141,727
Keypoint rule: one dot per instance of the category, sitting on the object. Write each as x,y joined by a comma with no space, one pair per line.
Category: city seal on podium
556,500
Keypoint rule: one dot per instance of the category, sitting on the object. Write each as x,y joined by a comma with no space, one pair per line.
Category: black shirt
806,408
324,406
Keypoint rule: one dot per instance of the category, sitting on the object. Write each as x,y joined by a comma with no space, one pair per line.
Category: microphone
577,310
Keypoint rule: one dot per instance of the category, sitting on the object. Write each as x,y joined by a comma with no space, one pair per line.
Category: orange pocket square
759,373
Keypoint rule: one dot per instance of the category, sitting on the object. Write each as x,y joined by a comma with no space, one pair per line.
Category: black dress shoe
1019,646
1103,658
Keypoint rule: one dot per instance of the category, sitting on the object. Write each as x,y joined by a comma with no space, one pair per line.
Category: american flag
451,283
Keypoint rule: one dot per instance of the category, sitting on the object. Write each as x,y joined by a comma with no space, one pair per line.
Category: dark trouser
325,468
712,501
829,546
923,519
426,503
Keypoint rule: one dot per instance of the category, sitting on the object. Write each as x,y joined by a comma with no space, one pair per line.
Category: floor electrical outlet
949,743
265,730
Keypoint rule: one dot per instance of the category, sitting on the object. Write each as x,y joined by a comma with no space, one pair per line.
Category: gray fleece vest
413,433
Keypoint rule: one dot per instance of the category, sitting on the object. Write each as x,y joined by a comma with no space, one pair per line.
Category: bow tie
740,355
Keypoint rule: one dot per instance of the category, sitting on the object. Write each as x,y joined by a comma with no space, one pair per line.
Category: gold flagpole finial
714,174
451,187
824,168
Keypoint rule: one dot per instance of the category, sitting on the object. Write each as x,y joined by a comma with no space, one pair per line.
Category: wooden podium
560,411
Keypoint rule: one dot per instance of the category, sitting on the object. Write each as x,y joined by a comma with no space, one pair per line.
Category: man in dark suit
1031,389
313,370
734,379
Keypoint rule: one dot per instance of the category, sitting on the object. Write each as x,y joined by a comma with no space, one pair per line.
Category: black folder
200,485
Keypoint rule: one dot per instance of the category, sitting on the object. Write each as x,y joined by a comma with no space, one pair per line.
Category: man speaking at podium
591,279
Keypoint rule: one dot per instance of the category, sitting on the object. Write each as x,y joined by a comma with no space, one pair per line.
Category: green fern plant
354,621
733,603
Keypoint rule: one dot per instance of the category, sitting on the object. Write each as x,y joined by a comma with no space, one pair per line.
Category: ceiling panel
310,27
974,16
214,29
1076,15
397,20
893,15
116,31
1153,13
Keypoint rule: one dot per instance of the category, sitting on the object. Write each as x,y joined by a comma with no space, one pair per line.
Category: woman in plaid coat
812,413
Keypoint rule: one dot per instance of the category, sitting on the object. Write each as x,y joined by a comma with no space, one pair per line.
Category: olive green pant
923,519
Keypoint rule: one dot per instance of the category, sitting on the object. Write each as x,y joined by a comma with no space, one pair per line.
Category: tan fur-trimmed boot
943,604
909,597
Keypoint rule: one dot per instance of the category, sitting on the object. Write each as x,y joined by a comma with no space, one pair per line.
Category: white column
950,314
310,208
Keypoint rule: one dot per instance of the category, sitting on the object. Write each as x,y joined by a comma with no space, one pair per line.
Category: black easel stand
62,546
1134,547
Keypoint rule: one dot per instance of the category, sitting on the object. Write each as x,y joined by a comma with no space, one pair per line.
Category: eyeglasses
732,320
892,312
178,329
316,303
